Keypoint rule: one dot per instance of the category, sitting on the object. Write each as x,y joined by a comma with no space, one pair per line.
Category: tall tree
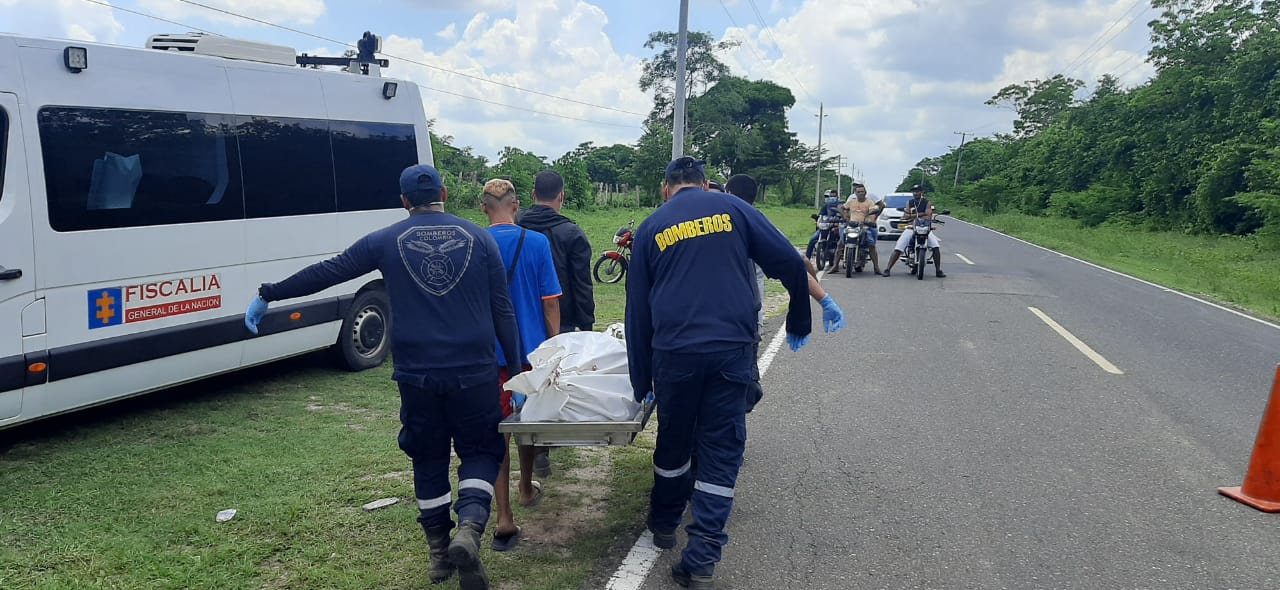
740,126
1037,102
520,167
702,68
652,154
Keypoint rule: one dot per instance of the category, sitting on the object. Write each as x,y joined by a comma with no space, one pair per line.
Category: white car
895,206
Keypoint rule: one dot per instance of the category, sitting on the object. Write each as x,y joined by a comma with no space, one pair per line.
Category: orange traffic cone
1261,487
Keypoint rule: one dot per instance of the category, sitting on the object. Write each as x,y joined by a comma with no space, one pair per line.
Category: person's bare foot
532,496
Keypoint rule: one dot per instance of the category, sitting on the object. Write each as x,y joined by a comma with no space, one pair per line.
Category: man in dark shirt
448,289
569,248
571,252
693,348
830,209
921,208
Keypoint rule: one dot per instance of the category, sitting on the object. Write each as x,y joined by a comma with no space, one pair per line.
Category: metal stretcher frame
578,434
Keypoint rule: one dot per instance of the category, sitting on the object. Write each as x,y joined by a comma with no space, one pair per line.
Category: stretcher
578,434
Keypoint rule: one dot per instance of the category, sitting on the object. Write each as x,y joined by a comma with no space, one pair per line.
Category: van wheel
365,339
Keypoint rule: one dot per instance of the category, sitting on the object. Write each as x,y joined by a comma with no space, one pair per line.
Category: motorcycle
855,250
920,255
828,240
612,265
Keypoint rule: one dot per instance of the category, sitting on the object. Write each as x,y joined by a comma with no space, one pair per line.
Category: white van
147,194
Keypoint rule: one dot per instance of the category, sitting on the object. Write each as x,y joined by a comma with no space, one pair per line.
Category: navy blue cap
685,162
420,178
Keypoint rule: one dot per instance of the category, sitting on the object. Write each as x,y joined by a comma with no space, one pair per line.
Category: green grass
125,496
1233,269
600,226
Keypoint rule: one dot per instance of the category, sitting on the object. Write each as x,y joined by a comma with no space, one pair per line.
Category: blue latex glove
517,400
797,342
253,317
832,315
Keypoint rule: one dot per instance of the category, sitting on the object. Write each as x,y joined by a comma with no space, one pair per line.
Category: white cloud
897,77
73,19
449,33
554,46
302,12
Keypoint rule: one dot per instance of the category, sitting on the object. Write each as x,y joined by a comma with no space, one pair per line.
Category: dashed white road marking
1078,343
962,257
1128,276
640,560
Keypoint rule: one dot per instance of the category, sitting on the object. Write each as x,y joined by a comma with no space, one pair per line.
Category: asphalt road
949,438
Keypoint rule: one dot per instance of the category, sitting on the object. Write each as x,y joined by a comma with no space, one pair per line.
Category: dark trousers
461,408
702,401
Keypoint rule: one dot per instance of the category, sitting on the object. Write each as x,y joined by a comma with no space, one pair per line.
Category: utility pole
682,53
840,174
959,157
817,197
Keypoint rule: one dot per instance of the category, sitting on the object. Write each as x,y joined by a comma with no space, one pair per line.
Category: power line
151,16
407,60
1134,67
424,87
526,109
767,30
1077,62
759,57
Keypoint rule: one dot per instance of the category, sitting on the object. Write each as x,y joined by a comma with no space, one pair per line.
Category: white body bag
577,377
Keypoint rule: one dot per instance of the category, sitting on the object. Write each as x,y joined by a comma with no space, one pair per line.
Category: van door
17,257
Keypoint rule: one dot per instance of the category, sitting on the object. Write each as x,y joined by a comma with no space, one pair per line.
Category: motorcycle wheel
920,254
609,271
848,269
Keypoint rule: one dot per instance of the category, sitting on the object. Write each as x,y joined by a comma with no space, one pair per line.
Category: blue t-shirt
534,282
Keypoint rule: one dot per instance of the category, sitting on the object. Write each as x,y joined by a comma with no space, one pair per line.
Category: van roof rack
363,62
368,45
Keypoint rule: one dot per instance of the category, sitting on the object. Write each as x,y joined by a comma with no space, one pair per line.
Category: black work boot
442,567
688,580
464,551
663,539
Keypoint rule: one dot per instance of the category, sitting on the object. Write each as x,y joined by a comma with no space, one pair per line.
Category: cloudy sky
897,77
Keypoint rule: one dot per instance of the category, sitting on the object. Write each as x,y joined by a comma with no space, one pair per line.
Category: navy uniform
448,289
691,330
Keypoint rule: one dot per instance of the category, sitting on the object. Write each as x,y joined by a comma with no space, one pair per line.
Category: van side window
109,168
288,166
370,157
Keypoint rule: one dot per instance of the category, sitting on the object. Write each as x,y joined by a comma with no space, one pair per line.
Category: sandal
508,542
537,495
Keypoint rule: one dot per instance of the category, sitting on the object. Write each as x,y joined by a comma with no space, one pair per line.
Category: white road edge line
962,257
640,560
1128,276
1079,344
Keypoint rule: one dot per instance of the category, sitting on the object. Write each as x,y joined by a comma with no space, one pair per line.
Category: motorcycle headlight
922,229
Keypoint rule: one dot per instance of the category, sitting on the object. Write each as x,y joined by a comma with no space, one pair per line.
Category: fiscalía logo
436,256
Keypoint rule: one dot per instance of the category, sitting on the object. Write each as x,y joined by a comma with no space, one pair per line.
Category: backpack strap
511,272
